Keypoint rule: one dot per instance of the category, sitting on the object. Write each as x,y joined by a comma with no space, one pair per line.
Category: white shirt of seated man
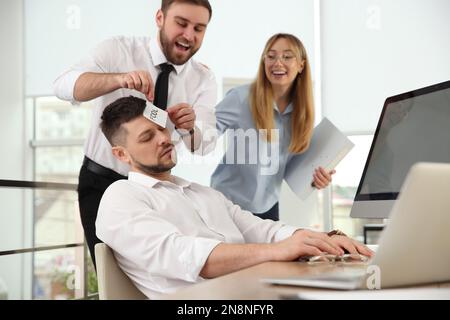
167,233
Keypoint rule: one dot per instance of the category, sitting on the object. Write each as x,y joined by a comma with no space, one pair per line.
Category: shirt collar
158,56
288,109
150,182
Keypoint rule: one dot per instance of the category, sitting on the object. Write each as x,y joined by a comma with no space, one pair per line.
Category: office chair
113,283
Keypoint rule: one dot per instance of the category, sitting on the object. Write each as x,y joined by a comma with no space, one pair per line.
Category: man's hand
311,243
351,246
305,243
182,116
138,80
322,178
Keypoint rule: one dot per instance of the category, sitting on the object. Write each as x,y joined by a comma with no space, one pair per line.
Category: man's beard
168,50
155,169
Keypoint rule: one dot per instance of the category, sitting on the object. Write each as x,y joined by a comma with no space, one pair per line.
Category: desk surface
246,284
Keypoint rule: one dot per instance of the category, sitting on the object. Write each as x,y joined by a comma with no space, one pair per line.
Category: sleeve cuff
284,232
184,132
74,77
65,86
194,258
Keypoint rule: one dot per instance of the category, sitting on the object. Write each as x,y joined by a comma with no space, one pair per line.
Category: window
45,231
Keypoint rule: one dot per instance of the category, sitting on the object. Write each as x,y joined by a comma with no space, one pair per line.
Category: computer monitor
413,127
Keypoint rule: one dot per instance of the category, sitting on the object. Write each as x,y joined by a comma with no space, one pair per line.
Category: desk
245,284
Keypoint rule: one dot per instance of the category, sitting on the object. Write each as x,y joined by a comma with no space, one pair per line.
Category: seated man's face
148,146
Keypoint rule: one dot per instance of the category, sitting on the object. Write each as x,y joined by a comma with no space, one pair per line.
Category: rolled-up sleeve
255,229
98,61
64,85
191,253
148,242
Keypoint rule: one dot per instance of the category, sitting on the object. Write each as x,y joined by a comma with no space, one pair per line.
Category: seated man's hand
306,243
182,115
322,178
350,245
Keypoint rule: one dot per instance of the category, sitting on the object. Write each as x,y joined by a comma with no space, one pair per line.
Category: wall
373,49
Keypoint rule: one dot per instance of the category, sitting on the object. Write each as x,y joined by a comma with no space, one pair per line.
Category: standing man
124,66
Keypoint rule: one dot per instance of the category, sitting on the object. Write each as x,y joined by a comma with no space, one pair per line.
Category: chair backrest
113,283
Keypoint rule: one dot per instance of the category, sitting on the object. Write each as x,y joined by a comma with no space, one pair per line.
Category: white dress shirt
191,83
163,232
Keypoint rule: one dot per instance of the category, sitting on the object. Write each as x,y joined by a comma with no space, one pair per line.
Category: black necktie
162,86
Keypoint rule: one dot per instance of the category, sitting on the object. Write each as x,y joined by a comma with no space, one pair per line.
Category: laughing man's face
182,29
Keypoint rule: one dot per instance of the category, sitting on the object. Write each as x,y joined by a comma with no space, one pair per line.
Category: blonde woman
277,109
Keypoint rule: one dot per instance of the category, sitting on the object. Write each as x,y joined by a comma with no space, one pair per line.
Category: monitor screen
413,127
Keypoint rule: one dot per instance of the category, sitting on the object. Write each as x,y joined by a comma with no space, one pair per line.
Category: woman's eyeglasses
285,58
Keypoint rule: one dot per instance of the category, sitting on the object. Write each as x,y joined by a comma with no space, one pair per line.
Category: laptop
414,248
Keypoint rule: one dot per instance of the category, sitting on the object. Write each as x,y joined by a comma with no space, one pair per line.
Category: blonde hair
261,98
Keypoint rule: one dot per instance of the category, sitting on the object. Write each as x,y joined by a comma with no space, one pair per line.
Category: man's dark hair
117,113
165,4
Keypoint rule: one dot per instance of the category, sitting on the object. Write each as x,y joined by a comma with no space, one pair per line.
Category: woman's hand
322,178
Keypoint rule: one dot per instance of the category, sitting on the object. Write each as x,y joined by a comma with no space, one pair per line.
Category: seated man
167,233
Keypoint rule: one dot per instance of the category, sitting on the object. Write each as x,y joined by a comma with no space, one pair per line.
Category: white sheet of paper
155,114
328,147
